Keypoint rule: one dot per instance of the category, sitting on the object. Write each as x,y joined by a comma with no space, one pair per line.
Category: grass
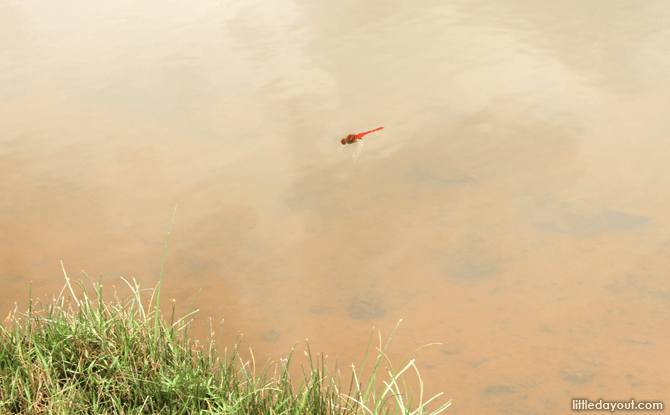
81,355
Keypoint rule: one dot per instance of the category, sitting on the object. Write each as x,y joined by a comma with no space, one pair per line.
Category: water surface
514,208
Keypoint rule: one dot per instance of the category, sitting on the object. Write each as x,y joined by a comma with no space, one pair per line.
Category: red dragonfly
356,141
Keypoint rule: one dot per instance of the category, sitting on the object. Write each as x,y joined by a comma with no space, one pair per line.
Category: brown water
515,207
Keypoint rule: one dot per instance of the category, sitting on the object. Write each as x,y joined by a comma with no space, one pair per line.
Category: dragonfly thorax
351,138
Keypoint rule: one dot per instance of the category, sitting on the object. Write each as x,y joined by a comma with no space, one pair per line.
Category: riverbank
80,355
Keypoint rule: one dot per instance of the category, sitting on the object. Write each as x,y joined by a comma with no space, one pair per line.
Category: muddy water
514,208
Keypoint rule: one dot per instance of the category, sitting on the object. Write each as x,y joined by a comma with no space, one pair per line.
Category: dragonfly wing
347,149
358,147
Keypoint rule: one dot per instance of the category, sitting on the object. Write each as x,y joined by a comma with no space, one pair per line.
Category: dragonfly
355,141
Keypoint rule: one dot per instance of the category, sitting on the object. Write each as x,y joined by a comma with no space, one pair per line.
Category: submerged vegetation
81,355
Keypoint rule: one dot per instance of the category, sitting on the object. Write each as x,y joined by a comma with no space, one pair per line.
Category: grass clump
81,355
